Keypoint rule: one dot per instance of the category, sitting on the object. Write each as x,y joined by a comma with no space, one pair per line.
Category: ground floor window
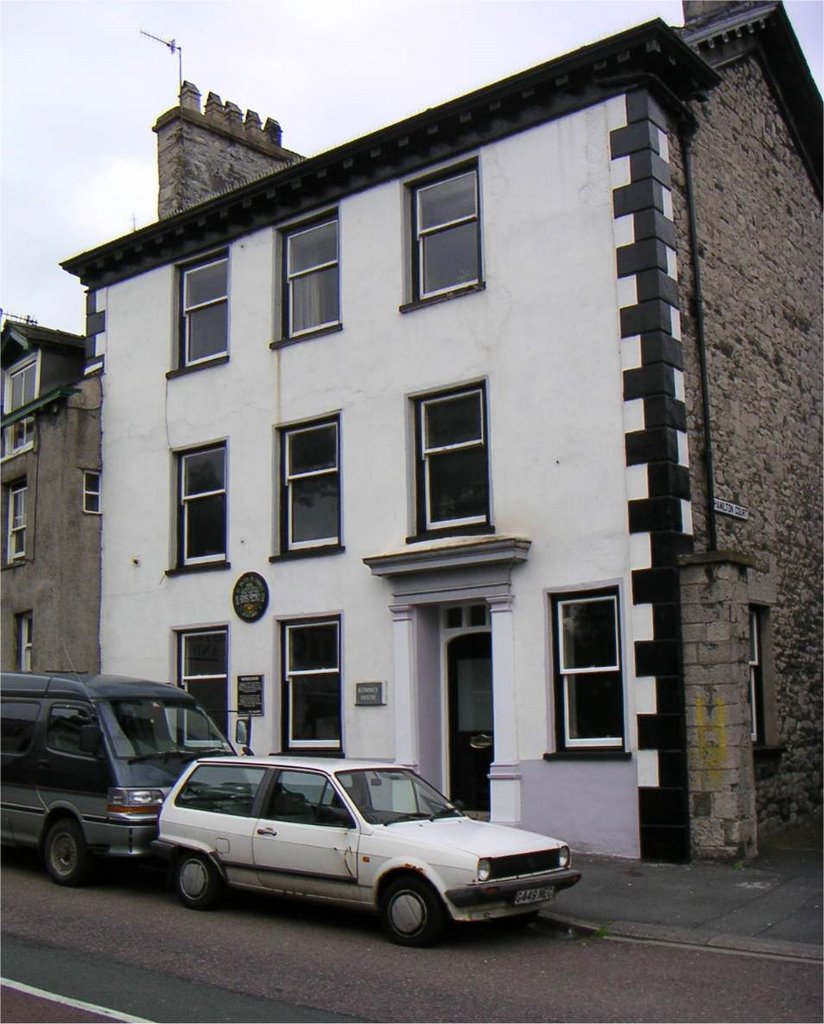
589,686
756,669
311,684
24,624
203,671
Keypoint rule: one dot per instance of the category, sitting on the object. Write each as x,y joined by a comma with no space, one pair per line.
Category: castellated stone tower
203,153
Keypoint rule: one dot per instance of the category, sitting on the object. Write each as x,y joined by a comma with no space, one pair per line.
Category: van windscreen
142,728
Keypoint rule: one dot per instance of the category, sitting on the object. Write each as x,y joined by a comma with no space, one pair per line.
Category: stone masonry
760,249
202,153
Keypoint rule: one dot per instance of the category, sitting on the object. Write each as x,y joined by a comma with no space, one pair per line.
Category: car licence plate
537,895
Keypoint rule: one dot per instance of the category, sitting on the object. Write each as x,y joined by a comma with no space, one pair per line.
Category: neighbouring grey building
51,510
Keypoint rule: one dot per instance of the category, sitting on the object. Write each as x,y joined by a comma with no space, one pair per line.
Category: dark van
87,761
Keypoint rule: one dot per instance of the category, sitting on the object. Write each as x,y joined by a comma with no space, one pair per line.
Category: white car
353,833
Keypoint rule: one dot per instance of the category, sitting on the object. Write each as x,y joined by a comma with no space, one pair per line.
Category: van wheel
412,912
199,886
68,860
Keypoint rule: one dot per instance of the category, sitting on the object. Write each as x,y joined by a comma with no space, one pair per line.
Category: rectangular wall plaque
250,695
368,694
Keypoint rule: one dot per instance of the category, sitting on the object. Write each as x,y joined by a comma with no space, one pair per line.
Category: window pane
313,247
23,386
314,507
313,647
203,472
205,284
589,634
450,421
204,654
450,258
457,485
207,331
312,449
205,520
315,299
315,704
594,706
447,201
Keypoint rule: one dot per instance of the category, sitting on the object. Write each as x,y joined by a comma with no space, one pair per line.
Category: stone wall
760,247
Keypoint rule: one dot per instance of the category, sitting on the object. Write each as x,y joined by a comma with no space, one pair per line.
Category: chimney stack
201,154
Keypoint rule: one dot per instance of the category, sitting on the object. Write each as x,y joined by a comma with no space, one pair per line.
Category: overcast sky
81,89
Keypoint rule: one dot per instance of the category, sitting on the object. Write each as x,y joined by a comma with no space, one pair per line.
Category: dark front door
469,667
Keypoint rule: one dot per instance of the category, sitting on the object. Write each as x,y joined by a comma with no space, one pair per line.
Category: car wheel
412,912
199,885
68,860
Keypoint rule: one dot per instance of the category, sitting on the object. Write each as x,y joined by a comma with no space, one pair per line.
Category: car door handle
266,832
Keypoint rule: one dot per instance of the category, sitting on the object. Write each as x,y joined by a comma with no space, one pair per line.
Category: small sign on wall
729,508
250,695
369,695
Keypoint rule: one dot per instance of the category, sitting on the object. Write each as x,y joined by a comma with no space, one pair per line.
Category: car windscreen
159,729
387,795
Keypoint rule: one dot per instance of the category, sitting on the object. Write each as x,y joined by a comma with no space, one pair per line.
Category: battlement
229,117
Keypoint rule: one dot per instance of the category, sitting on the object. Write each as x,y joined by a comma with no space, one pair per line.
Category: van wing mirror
243,734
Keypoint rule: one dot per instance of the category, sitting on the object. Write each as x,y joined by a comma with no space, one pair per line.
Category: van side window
63,730
224,789
18,720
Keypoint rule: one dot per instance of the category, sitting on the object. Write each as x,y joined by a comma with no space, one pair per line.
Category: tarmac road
127,944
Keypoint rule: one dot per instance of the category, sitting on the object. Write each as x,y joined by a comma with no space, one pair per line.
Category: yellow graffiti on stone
711,725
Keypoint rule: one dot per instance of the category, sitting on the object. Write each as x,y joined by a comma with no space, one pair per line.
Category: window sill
309,753
433,300
477,529
18,563
184,570
765,751
183,371
307,336
325,549
589,755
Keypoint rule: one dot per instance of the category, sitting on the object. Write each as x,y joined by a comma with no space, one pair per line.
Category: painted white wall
543,335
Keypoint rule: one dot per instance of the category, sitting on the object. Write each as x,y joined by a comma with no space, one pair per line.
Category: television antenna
173,48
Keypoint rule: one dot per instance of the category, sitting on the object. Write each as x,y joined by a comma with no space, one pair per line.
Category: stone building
490,443
51,517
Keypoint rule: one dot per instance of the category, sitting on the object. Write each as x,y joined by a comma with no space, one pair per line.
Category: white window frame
422,233
17,516
25,641
429,452
292,277
289,477
567,674
186,500
92,495
756,671
187,310
185,679
19,436
294,676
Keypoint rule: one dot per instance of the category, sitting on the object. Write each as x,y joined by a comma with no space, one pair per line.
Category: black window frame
321,744
419,234
287,545
426,525
288,332
616,741
755,658
184,361
184,561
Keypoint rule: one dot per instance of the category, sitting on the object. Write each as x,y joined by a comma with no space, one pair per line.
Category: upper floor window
452,460
205,311
202,505
21,387
16,537
91,492
310,490
312,300
446,224
589,689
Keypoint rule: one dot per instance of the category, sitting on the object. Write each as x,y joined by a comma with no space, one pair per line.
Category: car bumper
487,895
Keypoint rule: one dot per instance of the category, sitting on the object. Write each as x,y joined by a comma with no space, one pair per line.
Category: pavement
771,904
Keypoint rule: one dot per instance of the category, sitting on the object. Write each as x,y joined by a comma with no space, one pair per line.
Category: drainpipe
687,132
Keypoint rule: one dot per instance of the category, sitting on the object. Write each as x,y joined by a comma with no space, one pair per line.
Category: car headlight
484,869
135,801
563,857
